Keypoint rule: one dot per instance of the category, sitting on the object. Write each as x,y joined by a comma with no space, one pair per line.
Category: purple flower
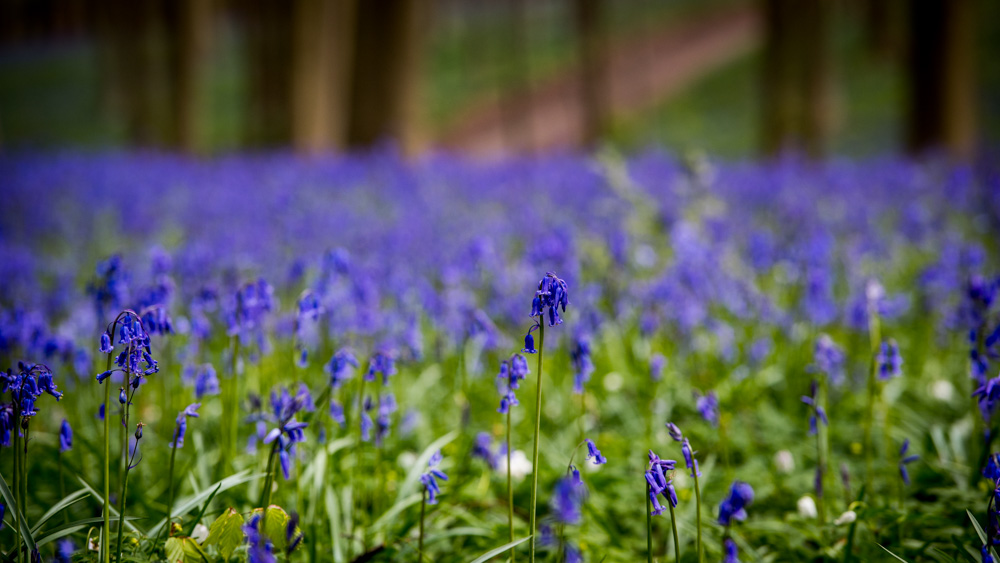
429,479
905,460
674,432
817,410
181,429
731,554
582,364
567,501
483,449
708,407
259,548
381,363
339,367
593,452
656,364
689,460
552,295
890,363
65,436
734,506
658,482
828,359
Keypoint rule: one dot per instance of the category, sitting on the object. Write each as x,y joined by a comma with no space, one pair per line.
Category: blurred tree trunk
882,27
385,84
778,97
514,81
816,66
124,31
941,77
268,26
592,45
189,31
323,38
797,93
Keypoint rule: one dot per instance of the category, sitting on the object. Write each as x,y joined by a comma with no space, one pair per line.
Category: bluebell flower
482,448
386,407
689,460
572,554
65,550
552,295
337,413
106,347
3,509
512,372
989,397
731,554
987,556
675,432
656,364
734,506
366,420
259,547
65,436
6,423
529,341
992,469
339,367
293,535
828,358
817,410
203,378
181,429
658,482
429,479
567,501
593,452
582,364
708,407
905,460
381,363
890,363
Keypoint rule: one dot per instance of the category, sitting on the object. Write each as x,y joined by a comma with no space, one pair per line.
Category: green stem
538,429
265,495
697,500
649,527
673,527
62,483
128,463
423,510
510,492
106,530
874,334
170,485
234,400
16,431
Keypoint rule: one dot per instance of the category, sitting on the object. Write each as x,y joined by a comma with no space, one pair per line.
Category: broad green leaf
276,526
497,551
333,514
184,550
14,508
175,550
226,533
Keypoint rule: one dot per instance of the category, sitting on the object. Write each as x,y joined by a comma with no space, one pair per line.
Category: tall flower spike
429,479
890,362
734,506
906,460
65,436
817,411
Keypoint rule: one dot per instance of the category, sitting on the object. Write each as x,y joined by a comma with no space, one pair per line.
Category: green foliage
226,533
184,550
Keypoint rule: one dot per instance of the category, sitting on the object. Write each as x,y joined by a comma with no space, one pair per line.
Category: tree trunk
779,99
941,77
589,15
190,27
385,77
816,67
269,47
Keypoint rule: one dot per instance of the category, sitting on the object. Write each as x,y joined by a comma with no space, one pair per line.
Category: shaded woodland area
321,75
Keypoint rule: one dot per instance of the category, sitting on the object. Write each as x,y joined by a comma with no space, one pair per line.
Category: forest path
643,71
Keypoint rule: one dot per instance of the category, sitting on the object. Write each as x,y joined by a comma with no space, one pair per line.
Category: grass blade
13,506
189,504
68,500
114,511
891,553
497,551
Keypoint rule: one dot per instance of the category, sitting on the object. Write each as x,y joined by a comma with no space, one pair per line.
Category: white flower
846,518
200,533
943,390
807,507
784,461
520,465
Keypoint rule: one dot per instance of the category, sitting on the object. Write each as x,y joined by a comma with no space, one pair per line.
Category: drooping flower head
339,367
180,430
731,554
817,411
708,407
905,460
483,449
734,506
828,359
24,387
582,364
429,479
381,363
594,453
567,501
65,436
260,549
656,364
512,372
552,295
890,363
659,483
135,359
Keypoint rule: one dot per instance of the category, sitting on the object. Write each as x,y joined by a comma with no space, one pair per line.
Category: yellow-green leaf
226,533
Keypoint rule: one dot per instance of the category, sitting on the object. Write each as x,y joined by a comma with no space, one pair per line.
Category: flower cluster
828,359
582,365
708,407
180,430
135,360
594,453
512,372
430,477
905,460
890,363
659,483
818,413
734,506
287,431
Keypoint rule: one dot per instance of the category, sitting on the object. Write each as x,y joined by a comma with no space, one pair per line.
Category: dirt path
643,71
